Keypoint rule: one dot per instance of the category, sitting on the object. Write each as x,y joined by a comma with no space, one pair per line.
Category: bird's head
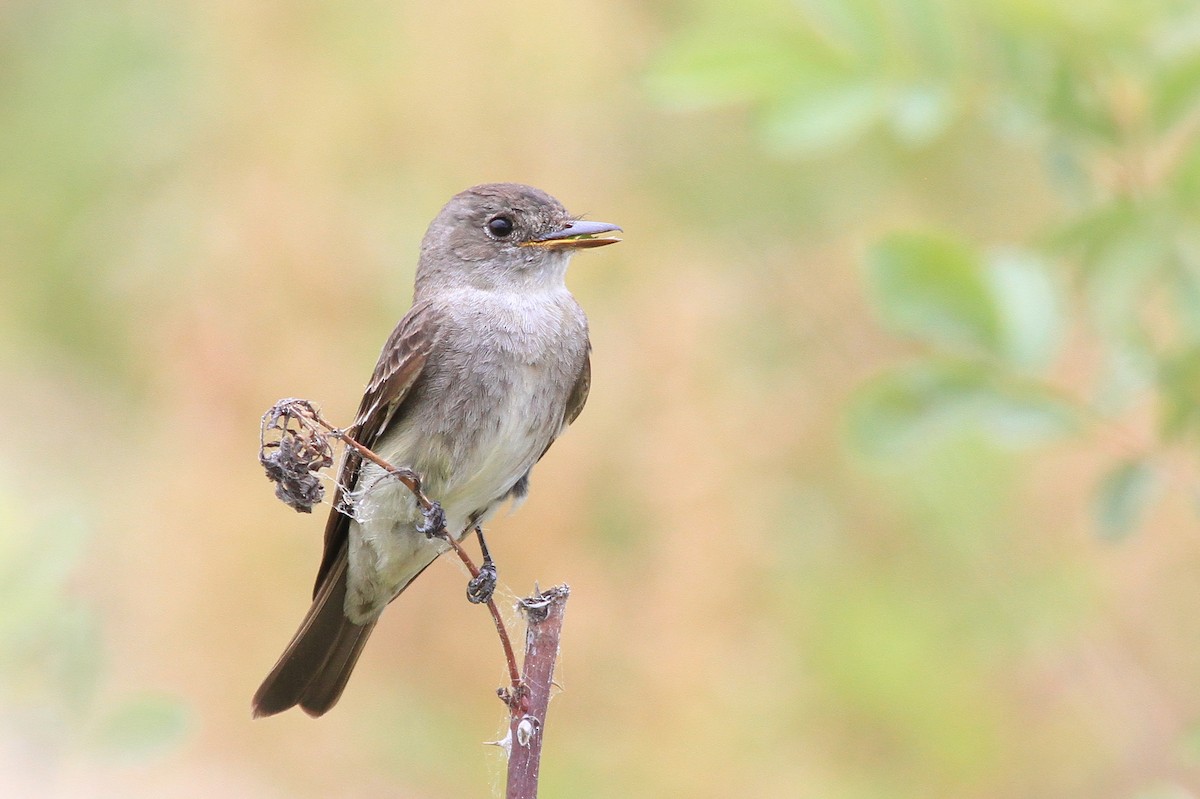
505,235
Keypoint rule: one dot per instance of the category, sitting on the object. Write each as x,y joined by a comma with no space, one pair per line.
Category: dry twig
544,616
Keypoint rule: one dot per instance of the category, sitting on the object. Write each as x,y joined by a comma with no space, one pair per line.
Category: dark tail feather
313,670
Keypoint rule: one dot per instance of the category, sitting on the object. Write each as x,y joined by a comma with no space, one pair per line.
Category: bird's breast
490,400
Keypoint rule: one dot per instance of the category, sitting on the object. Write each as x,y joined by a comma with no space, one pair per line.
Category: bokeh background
887,483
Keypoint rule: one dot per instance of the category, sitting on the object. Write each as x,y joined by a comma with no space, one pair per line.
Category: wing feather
399,368
575,402
579,393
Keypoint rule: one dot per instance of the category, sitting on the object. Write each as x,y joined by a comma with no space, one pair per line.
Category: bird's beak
577,235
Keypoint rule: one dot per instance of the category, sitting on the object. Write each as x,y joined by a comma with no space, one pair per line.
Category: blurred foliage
95,115
1122,496
1107,94
52,656
908,305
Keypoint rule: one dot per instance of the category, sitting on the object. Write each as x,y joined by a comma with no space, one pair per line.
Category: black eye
500,226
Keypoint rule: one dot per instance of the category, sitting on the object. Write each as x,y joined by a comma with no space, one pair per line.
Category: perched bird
478,379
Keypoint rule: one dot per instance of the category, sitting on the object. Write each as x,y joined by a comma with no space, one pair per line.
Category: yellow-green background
206,206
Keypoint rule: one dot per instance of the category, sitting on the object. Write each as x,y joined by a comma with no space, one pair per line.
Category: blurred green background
887,483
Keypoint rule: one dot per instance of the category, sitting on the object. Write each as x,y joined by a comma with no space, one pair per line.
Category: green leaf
1096,229
819,119
1124,247
934,289
1029,307
1078,107
1122,498
926,402
1118,279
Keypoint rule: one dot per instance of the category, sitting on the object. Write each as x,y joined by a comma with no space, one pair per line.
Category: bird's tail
313,670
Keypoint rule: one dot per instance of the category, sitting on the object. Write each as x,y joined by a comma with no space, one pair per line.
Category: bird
489,366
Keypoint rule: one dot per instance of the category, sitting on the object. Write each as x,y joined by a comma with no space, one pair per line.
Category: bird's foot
483,585
433,524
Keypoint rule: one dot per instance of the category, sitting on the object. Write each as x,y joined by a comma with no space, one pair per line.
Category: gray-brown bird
485,371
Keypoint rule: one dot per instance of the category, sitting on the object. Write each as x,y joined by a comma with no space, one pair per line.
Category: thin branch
514,676
544,617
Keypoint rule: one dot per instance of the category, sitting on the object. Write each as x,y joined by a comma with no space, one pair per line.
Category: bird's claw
433,523
482,585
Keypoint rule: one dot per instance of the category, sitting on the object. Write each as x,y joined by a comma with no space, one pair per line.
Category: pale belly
469,480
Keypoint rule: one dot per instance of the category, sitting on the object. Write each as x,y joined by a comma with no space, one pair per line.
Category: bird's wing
579,392
575,402
400,365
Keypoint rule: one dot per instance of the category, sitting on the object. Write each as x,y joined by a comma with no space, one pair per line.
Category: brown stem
514,675
544,615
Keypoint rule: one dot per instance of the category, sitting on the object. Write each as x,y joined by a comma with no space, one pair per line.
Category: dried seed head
293,449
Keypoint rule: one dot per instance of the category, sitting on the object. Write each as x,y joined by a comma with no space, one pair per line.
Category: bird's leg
483,585
434,520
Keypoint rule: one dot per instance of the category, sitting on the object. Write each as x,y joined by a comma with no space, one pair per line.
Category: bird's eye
500,226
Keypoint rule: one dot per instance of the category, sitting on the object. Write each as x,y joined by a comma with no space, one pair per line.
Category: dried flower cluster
293,449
